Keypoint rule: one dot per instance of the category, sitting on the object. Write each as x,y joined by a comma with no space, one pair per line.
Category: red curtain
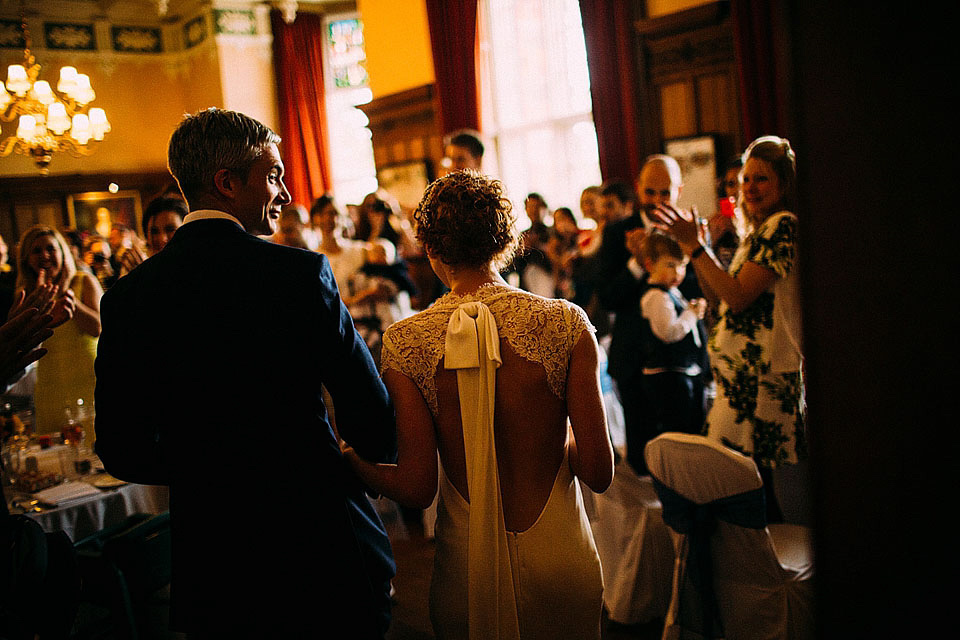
453,39
759,40
608,34
298,64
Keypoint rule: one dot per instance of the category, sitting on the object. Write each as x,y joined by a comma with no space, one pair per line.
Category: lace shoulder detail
541,330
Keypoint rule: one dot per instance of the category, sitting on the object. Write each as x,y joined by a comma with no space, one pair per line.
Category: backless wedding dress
488,582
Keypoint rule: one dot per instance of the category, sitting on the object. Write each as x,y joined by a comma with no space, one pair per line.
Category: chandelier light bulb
4,97
80,131
98,123
68,81
17,81
42,92
57,120
84,93
26,128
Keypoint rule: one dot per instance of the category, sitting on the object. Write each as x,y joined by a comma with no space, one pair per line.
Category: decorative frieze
235,22
69,36
137,39
11,34
194,32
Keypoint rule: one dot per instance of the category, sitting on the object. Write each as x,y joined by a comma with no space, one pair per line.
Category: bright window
535,100
346,86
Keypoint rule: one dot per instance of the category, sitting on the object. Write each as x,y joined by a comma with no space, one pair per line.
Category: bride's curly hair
464,219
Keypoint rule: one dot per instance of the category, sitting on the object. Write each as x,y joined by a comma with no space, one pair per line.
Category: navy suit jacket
209,374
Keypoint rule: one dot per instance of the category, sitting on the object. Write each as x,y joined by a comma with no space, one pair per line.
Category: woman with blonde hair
755,347
65,375
488,377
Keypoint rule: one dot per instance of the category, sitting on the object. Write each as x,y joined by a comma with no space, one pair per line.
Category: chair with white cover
734,576
636,551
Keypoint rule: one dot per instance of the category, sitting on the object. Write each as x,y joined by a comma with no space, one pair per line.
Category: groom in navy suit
209,376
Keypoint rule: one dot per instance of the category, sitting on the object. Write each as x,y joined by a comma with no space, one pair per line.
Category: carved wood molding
403,107
682,21
687,40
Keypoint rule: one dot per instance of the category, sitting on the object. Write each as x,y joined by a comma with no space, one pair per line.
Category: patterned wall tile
235,22
137,39
195,32
11,34
77,37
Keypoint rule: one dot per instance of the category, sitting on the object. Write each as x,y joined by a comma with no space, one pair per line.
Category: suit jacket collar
210,214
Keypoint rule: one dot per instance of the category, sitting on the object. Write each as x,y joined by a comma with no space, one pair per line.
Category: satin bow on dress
473,350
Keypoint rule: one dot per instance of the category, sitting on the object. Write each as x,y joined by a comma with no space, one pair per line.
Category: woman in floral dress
755,348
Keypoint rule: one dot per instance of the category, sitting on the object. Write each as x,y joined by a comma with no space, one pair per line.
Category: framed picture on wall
98,211
405,181
698,164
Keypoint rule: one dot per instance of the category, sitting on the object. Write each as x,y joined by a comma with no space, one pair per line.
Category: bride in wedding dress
504,385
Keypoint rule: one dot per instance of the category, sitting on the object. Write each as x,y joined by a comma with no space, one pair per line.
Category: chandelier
48,121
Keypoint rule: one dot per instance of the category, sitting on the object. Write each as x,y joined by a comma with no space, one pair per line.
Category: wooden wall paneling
716,102
405,128
688,77
25,201
678,110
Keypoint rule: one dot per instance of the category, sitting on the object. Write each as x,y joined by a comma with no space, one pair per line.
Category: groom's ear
227,182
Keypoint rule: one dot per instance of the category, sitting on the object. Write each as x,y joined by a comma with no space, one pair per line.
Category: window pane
536,102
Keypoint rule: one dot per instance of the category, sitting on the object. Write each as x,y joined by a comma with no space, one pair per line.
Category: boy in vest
673,343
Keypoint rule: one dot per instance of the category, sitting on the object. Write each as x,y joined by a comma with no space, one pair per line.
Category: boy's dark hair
657,244
622,192
466,139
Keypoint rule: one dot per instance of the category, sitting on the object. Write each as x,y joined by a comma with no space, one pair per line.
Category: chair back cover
757,595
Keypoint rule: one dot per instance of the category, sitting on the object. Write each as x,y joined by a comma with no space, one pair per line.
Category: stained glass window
347,55
347,85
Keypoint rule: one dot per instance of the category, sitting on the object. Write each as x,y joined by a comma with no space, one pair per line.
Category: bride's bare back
548,371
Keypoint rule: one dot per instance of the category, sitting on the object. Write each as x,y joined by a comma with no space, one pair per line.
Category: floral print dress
756,355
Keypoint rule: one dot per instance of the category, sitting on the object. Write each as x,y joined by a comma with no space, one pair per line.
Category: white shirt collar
209,214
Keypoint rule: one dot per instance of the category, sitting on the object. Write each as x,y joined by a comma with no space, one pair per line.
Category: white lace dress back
488,582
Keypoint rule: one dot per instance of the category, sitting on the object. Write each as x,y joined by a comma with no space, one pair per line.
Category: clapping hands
683,225
47,301
20,339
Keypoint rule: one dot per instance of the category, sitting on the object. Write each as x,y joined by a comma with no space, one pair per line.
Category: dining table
85,501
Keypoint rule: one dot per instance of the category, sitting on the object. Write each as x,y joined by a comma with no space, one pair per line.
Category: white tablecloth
635,547
109,507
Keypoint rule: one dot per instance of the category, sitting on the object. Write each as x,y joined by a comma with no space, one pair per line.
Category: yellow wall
398,44
144,99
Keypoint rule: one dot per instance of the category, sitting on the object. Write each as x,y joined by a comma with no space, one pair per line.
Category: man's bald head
659,182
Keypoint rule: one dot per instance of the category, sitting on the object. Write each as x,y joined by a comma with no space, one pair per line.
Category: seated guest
562,250
462,149
291,225
65,375
162,218
378,217
379,294
346,256
124,241
98,256
8,280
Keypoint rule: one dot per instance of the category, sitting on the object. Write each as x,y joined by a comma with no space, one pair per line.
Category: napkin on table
66,492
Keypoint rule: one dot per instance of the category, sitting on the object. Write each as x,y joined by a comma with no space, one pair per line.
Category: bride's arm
590,453
413,480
